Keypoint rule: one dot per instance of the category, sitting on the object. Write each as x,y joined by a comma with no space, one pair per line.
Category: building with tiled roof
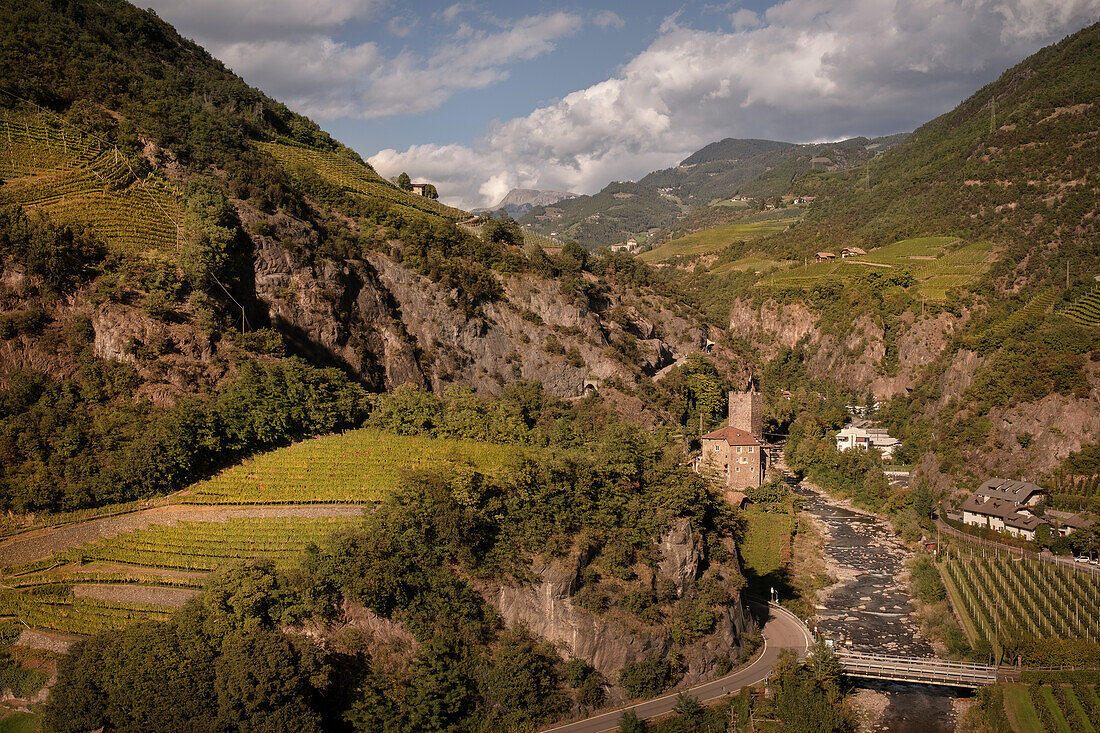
1020,493
736,456
1001,515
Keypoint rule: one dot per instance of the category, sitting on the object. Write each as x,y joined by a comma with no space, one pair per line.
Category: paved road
782,631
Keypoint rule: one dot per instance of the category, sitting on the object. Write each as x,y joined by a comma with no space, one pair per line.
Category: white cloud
212,21
326,78
805,71
608,19
743,19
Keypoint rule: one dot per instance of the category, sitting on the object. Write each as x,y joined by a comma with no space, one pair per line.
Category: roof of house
855,250
1069,519
1005,510
733,436
825,254
1010,489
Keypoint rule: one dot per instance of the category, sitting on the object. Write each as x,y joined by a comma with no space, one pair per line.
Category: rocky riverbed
868,609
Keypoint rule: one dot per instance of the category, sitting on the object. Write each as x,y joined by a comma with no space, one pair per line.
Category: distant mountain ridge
758,169
519,201
733,149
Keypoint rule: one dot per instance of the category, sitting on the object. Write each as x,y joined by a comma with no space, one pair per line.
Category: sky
479,97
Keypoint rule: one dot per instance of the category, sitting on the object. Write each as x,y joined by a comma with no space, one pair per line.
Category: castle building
737,453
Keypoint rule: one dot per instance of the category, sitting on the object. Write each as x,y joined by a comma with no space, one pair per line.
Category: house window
716,446
738,449
750,449
738,469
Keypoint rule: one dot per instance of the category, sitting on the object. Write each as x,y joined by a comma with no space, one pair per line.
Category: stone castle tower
747,411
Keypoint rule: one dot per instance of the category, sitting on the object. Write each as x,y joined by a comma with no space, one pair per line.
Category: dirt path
151,594
42,543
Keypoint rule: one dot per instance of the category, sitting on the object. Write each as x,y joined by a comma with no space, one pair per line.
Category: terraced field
1053,708
354,177
143,574
104,573
1085,311
51,167
716,239
936,263
355,467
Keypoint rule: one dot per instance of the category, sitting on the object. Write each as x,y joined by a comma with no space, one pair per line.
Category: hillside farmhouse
1005,505
861,435
420,189
825,256
852,252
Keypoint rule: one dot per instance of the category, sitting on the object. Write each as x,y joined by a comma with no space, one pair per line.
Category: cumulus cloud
301,53
213,21
802,72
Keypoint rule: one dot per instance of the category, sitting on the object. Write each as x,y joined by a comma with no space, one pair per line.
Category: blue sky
480,97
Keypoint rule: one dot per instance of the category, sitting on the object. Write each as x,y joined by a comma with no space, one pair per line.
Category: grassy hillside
354,176
716,239
759,171
1017,164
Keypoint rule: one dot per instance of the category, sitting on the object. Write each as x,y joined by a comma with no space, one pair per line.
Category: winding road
783,630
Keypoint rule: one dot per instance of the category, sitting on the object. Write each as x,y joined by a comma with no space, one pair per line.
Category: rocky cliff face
610,641
855,358
379,321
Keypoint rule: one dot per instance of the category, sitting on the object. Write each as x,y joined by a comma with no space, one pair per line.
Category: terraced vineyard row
1086,311
1038,304
355,178
54,168
1012,600
74,615
39,594
354,467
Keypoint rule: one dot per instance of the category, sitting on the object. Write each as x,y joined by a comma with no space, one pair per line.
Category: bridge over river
916,670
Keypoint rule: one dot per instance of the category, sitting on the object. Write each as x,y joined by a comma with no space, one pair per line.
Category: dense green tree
404,182
266,683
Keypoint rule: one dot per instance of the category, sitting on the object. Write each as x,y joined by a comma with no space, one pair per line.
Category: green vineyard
354,467
1085,311
40,593
355,178
51,167
933,263
1005,601
1039,304
1054,708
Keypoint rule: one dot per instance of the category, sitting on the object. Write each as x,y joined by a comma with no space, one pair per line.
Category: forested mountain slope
980,233
163,225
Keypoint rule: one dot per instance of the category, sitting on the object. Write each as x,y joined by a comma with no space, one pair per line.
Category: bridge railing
933,671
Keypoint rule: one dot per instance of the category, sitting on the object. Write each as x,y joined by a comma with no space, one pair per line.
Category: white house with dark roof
1005,505
859,435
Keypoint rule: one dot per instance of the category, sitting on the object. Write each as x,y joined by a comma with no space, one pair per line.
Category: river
869,609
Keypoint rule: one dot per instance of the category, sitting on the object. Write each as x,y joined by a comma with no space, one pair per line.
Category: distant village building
737,453
861,435
630,246
851,252
1066,523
